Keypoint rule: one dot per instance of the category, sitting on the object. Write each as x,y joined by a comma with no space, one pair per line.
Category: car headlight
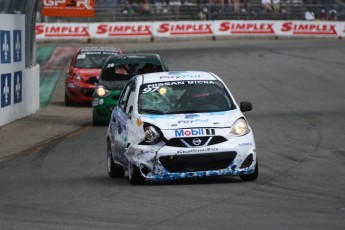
101,91
240,127
77,77
152,134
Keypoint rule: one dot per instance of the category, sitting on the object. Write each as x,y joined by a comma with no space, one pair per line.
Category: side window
124,95
131,99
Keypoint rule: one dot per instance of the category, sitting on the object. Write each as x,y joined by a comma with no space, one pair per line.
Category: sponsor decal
309,28
83,54
180,76
97,50
248,144
198,150
193,121
200,82
247,28
186,28
194,132
191,116
124,30
68,8
155,86
66,30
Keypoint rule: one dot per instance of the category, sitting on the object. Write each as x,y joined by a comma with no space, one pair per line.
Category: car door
120,122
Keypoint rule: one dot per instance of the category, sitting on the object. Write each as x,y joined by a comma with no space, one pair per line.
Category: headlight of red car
76,77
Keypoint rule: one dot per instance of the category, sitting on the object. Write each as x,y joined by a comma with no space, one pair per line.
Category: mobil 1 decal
194,132
5,42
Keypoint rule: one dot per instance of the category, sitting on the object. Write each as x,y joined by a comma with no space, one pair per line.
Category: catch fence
172,10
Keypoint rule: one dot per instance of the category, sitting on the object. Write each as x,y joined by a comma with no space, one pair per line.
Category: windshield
184,97
92,60
116,72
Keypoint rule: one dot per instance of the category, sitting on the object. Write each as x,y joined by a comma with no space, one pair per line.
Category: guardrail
171,10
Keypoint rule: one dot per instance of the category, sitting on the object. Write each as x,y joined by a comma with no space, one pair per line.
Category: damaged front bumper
162,163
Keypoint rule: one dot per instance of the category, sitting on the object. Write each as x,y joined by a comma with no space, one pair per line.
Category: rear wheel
253,176
135,176
113,170
67,101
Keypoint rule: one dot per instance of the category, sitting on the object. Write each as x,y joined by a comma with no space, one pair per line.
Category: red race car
83,73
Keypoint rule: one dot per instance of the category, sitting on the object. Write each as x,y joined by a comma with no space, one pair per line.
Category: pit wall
19,86
188,29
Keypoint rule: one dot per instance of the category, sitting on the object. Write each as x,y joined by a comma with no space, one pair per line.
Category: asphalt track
297,91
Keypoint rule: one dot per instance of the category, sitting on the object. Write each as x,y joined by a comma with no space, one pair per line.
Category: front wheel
113,170
253,176
68,101
135,176
96,122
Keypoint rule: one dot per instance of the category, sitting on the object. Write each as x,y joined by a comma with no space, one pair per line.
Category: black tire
113,170
135,176
96,122
67,101
253,176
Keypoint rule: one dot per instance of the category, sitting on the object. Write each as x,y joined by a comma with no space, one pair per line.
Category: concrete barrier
19,87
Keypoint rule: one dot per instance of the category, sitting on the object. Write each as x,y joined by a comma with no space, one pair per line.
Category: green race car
116,71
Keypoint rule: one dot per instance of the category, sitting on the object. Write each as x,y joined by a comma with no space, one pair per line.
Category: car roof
98,49
178,76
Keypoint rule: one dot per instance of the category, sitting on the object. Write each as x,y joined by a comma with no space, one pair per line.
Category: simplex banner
189,29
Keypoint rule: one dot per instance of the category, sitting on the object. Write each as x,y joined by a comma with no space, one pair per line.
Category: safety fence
172,10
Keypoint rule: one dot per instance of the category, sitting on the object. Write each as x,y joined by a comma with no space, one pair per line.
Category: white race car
173,125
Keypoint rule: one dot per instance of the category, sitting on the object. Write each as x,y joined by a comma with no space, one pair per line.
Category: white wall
19,87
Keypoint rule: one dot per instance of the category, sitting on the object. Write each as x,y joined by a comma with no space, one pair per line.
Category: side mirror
246,106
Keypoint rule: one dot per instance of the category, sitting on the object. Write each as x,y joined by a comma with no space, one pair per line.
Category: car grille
197,162
188,142
87,92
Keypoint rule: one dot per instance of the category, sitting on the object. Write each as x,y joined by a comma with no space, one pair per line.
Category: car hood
86,73
181,121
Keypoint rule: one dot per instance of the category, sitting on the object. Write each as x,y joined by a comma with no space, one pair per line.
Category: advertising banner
183,28
190,29
121,29
68,8
298,28
62,30
247,28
